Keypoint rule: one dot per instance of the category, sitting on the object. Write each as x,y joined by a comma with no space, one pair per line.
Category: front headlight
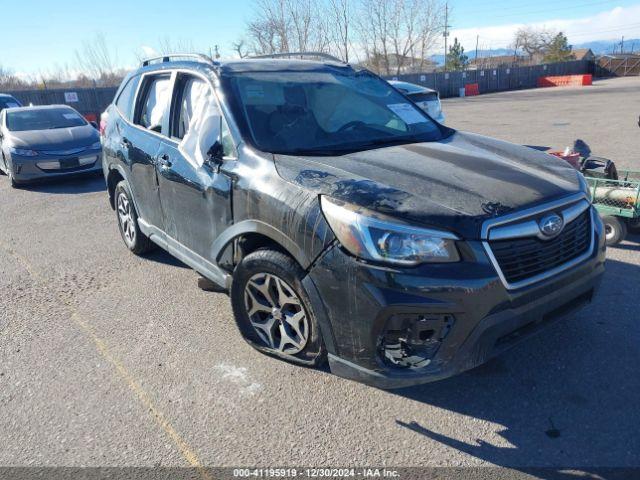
95,146
370,237
23,152
584,185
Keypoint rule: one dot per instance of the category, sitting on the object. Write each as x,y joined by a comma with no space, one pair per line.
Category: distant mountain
599,47
439,59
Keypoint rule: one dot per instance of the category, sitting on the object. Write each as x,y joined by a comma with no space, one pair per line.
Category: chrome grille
523,258
522,255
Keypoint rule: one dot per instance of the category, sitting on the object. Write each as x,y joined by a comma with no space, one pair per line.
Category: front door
196,198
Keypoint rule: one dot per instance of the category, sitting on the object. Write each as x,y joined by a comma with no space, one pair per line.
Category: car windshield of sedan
43,119
326,113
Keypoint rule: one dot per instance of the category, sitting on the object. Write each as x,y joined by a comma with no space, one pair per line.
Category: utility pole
446,33
622,45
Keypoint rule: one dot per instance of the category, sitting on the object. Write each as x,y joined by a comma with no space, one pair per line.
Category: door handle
164,161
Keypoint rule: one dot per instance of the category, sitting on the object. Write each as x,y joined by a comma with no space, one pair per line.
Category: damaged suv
345,223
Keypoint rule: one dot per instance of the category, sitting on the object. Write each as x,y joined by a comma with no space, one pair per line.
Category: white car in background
426,98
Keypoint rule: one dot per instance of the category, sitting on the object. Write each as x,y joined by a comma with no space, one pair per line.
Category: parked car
345,223
8,101
47,142
426,98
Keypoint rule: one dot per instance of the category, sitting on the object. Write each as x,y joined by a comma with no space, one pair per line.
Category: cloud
607,25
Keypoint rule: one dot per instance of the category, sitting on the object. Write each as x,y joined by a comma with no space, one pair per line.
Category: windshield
325,112
8,102
43,119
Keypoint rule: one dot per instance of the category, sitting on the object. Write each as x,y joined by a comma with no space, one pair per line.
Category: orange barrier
471,89
566,81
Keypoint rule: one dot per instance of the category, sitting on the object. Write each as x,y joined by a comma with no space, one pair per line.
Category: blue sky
38,36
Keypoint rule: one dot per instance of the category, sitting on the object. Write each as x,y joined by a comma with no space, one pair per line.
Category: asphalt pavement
108,359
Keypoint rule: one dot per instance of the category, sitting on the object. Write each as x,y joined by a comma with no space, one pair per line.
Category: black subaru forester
345,223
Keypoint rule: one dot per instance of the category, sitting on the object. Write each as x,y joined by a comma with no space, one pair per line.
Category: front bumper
355,302
27,169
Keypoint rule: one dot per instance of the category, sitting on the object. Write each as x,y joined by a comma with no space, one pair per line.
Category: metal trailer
618,202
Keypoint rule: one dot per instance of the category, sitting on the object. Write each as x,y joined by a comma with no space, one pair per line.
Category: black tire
615,229
633,225
283,268
136,241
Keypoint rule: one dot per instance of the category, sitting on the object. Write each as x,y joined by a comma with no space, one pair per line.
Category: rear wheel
133,238
615,229
272,308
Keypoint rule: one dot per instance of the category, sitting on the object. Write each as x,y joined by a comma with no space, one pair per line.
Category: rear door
140,142
195,196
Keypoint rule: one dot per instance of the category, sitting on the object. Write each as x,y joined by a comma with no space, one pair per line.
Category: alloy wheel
276,313
126,219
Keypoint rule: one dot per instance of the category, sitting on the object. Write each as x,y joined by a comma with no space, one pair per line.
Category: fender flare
256,226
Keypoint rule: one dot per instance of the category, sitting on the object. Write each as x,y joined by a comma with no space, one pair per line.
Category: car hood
55,139
456,183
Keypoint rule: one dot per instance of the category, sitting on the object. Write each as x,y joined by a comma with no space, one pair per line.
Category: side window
153,102
125,99
196,120
228,147
192,98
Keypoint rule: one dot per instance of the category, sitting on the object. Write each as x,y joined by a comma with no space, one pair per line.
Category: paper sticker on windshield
71,116
407,113
254,91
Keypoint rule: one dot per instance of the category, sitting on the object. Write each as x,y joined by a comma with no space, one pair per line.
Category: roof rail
173,57
317,55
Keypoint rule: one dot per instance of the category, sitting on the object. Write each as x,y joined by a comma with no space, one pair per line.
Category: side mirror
215,154
94,124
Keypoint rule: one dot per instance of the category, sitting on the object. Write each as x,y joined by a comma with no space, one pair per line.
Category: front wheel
615,229
272,308
133,238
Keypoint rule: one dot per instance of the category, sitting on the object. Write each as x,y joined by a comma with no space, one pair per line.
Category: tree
397,34
559,50
533,41
456,58
96,59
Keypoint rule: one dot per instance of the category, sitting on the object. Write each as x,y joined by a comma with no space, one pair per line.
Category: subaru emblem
551,225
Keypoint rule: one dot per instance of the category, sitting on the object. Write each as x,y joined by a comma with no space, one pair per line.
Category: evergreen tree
558,50
456,58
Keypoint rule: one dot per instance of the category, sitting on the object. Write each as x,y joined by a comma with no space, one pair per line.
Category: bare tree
9,81
340,14
240,47
397,34
96,59
533,41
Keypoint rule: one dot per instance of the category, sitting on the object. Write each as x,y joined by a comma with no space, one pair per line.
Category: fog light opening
411,341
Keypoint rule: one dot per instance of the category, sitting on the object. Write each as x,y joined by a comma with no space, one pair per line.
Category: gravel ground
107,359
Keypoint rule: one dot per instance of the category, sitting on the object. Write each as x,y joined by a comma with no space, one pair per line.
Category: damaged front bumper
393,328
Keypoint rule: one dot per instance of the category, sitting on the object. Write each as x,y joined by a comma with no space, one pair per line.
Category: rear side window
125,99
154,102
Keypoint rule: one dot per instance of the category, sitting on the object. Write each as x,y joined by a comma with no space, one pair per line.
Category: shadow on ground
162,256
88,184
566,398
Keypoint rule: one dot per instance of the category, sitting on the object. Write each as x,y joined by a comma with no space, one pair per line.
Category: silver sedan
426,98
46,142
